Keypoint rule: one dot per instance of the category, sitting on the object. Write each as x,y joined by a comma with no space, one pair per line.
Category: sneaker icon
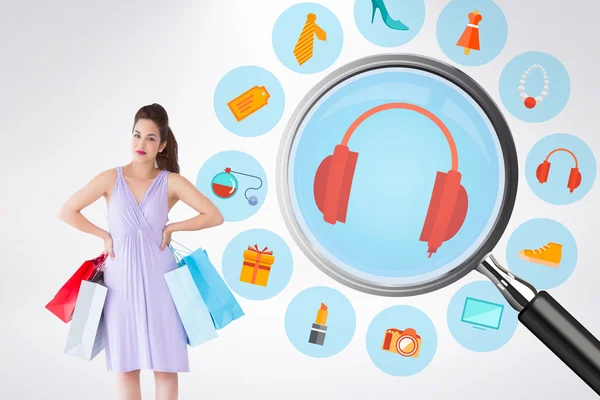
549,255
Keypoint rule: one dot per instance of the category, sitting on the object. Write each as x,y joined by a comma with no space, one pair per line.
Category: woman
142,327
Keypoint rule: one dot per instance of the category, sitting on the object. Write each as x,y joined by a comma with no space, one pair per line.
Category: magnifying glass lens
400,152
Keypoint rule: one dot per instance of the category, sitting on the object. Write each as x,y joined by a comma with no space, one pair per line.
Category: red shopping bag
63,303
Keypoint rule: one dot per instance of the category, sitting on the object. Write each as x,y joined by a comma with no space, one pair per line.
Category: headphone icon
543,170
448,204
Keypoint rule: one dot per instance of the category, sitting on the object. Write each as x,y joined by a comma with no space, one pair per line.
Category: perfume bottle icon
225,185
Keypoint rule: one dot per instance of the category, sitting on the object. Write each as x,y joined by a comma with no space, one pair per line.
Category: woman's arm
70,211
208,214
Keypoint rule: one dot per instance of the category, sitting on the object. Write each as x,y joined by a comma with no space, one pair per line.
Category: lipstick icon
319,328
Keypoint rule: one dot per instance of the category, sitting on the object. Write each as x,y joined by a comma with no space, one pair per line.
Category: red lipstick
140,152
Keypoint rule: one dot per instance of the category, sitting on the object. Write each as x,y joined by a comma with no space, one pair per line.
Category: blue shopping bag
192,310
221,303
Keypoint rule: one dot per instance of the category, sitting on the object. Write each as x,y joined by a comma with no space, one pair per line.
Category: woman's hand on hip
166,238
108,246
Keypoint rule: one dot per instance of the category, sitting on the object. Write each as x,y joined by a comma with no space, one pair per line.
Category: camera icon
406,342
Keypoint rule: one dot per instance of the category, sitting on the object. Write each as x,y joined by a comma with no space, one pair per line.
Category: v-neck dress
142,327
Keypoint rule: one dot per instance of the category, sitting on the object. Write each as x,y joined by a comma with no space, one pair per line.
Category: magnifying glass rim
446,72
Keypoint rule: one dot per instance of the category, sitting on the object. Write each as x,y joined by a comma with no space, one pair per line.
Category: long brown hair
167,159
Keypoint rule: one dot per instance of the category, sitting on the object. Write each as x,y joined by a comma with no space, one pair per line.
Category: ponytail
167,159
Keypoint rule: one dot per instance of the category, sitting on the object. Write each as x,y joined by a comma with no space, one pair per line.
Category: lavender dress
142,327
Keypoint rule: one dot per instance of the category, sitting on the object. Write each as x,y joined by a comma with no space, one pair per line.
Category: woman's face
145,140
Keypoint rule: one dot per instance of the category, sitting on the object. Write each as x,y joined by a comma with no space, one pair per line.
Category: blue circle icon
257,264
535,87
307,38
320,322
401,340
235,182
472,32
389,23
249,101
480,318
542,252
560,169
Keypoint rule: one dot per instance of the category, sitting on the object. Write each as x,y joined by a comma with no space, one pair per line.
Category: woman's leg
128,385
166,385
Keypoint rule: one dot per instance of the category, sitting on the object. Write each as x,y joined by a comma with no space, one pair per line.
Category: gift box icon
257,266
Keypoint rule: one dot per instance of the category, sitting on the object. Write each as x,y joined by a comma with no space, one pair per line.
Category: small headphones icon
543,170
448,204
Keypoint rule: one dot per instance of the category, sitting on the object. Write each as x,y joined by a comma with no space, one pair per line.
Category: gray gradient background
73,75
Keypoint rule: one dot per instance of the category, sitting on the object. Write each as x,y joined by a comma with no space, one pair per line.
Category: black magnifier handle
549,322
565,336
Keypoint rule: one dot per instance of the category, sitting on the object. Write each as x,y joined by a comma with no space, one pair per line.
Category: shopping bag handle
179,244
179,254
100,268
175,253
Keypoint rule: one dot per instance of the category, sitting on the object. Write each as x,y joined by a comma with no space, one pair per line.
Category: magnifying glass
397,176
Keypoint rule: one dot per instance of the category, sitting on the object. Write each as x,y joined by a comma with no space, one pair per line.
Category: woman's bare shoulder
177,180
106,178
109,174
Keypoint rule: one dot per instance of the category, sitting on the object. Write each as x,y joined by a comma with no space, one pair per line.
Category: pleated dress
142,329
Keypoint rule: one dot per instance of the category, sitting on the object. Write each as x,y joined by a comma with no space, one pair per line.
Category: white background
73,76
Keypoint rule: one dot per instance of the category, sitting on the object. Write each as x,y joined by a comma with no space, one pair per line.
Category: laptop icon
482,314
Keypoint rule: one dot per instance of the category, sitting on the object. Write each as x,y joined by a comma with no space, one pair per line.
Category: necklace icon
224,185
529,101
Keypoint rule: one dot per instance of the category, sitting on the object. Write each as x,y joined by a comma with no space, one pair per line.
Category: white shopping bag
86,333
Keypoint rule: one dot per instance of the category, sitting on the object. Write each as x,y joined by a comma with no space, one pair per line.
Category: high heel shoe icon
385,15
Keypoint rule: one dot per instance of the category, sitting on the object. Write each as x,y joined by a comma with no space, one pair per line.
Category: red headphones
448,204
543,170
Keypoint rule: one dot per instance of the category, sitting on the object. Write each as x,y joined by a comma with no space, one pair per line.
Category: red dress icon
470,37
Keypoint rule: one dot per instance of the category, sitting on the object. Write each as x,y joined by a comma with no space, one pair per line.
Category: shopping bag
63,303
192,310
86,332
221,303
